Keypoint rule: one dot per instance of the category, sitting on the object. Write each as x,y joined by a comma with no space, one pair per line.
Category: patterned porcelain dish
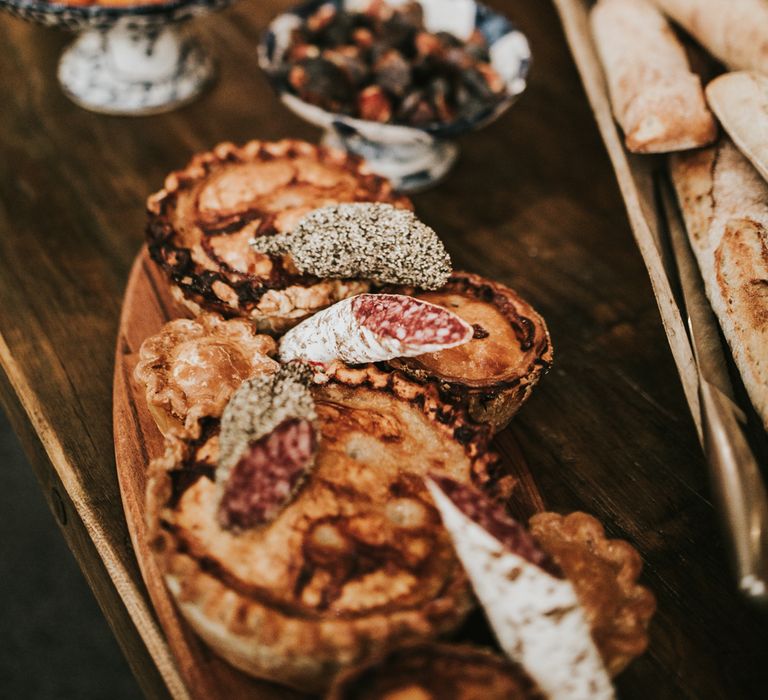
413,158
130,59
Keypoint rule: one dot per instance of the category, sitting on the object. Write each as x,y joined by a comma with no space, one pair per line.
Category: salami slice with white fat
534,611
374,328
363,240
267,474
267,446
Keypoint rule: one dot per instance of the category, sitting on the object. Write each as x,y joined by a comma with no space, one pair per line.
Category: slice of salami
364,240
267,445
497,522
267,475
533,611
374,328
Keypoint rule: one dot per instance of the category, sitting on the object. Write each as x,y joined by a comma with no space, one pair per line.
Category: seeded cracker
364,241
258,407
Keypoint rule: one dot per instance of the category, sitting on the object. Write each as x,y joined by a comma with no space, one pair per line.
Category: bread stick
740,101
725,205
656,99
733,31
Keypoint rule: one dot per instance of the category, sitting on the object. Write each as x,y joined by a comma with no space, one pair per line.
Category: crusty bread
656,98
734,31
740,101
725,204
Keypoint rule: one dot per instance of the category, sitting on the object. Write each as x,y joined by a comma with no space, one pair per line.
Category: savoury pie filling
201,223
510,340
361,536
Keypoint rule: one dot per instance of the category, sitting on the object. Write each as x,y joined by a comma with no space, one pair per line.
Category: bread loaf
734,31
725,205
740,101
656,99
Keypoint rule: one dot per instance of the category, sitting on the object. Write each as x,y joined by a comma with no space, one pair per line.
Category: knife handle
739,487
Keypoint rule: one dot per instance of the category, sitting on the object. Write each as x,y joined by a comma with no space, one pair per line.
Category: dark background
56,642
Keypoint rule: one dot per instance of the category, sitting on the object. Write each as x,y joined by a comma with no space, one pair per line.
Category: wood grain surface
532,202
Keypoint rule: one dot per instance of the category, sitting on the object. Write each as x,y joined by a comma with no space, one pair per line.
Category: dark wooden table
532,202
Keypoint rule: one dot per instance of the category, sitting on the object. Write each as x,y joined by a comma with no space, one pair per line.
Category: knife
736,480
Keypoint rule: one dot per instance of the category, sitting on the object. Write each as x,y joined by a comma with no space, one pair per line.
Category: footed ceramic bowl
413,158
130,60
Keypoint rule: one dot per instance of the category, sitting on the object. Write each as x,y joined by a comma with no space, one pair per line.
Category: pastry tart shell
494,373
200,223
191,367
458,671
604,573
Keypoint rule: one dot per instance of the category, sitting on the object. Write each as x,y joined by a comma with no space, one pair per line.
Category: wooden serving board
146,307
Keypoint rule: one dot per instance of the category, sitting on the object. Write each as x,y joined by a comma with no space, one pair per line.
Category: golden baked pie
436,672
495,372
190,368
203,220
604,573
354,563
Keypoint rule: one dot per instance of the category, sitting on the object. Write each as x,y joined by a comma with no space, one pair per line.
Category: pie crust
604,573
191,368
357,563
495,372
435,672
200,224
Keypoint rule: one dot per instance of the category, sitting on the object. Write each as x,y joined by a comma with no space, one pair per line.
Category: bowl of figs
394,81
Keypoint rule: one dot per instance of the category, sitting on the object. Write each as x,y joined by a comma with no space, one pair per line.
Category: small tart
356,563
436,672
604,574
495,372
191,368
201,222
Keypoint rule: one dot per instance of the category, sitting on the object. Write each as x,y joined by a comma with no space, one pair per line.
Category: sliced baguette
725,206
734,31
740,101
656,99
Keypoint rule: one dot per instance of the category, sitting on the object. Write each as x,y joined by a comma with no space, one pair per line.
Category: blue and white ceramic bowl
412,158
129,60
